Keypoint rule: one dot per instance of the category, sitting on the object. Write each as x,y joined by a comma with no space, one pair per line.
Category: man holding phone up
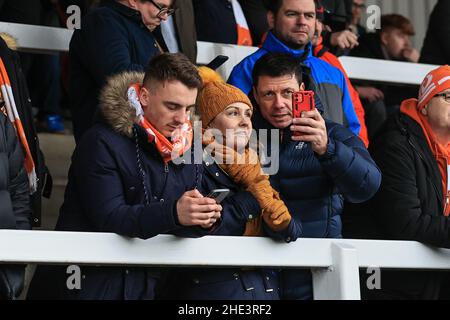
321,162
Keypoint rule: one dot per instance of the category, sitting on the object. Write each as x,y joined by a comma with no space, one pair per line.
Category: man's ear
302,87
144,97
255,94
270,20
132,4
384,38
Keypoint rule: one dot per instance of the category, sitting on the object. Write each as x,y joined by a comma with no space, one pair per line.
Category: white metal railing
335,263
45,40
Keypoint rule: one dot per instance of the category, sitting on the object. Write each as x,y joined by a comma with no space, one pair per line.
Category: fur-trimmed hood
114,105
10,41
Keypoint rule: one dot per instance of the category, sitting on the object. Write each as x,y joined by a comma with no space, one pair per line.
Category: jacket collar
418,141
273,44
259,122
131,14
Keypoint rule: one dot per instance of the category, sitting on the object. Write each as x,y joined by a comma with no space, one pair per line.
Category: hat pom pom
208,75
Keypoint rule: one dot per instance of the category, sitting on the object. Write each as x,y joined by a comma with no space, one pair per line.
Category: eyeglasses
162,10
359,5
445,95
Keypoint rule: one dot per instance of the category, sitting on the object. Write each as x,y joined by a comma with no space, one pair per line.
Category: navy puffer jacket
314,188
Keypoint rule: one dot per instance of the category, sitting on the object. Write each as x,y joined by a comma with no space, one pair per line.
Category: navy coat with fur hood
105,193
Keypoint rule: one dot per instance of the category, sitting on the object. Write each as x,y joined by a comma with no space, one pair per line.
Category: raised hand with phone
308,124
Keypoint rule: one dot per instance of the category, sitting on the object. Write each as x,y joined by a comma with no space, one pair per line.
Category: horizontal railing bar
51,247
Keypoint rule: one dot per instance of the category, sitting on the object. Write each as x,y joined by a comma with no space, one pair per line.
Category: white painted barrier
335,263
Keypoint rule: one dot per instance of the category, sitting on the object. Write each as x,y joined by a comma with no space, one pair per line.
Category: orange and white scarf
243,31
181,139
13,115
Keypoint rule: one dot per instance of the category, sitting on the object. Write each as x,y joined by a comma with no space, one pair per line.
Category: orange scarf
13,115
243,31
440,152
181,139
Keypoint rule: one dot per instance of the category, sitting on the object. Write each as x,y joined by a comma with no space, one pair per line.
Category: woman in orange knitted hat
226,112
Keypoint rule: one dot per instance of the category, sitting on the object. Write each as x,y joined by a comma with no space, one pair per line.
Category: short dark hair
396,21
277,65
173,66
275,5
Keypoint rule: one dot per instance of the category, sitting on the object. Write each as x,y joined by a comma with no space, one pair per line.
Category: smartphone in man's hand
218,194
302,101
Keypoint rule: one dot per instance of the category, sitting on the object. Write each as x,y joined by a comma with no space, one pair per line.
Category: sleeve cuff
330,153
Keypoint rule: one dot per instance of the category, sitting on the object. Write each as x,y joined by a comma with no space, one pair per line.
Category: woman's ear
424,111
302,87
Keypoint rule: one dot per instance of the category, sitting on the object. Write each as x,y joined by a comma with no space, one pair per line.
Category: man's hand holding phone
194,209
308,126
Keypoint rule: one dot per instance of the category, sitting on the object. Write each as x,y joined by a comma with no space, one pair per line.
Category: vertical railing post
341,280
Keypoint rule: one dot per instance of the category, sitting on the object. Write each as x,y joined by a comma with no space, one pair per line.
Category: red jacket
323,54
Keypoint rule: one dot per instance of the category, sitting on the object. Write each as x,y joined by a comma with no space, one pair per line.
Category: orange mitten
277,216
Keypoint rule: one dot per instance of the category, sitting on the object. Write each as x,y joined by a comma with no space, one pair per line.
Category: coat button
250,217
288,239
207,164
217,174
196,281
132,188
162,200
236,276
127,271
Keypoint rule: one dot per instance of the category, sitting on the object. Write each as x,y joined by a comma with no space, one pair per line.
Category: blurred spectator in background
177,33
115,37
221,21
44,78
21,11
337,19
436,48
42,71
355,26
256,14
322,52
392,42
413,153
